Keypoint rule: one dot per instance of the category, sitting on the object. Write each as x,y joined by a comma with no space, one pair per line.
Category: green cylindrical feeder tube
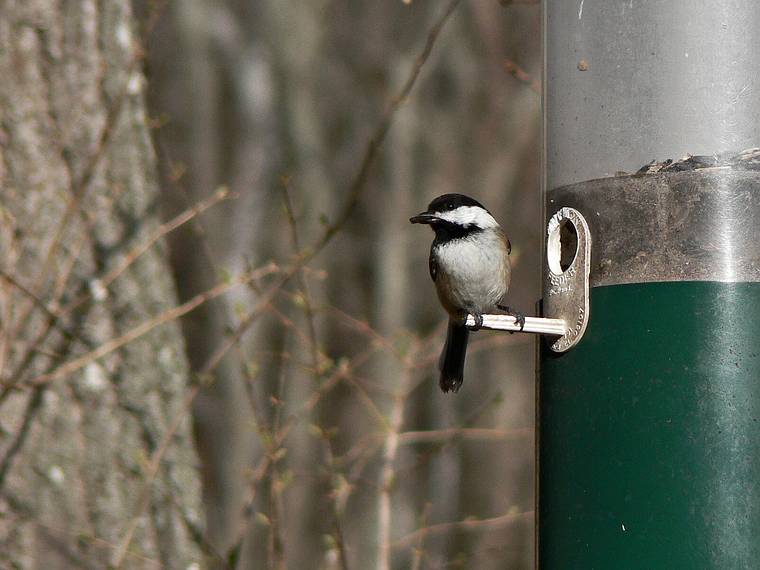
649,428
650,453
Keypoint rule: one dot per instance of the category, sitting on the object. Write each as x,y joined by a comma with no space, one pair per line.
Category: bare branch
387,474
121,550
182,218
419,548
39,303
315,362
466,525
472,434
147,326
302,283
32,407
340,544
382,129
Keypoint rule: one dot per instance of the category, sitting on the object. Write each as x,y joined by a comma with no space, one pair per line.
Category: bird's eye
449,206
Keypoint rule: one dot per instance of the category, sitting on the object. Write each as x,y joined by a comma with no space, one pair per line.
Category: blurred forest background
218,336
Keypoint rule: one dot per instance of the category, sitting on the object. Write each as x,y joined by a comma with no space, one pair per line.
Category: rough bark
77,193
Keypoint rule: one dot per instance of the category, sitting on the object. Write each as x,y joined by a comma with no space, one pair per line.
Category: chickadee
469,263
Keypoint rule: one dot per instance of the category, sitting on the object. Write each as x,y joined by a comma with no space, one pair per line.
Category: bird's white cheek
470,215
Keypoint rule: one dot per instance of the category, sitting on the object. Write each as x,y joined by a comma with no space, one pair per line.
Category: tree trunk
77,194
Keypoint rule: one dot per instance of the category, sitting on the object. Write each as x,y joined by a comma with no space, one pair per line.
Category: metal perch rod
536,325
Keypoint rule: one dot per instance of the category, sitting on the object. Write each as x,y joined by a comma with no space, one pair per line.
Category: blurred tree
77,197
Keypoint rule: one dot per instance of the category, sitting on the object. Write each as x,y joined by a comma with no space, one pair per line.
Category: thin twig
53,318
467,525
141,248
387,473
151,471
365,328
317,375
11,255
182,218
333,503
131,257
39,303
474,434
388,470
419,548
290,325
197,534
32,407
147,326
340,373
68,265
302,283
66,538
382,129
276,546
368,403
248,510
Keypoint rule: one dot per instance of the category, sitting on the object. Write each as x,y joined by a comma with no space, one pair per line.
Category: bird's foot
478,322
519,317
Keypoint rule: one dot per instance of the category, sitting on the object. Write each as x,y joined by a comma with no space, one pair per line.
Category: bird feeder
649,426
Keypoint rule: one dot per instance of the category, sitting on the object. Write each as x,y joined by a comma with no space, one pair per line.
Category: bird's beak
424,218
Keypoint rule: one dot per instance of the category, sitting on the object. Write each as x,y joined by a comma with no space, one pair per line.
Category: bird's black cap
452,202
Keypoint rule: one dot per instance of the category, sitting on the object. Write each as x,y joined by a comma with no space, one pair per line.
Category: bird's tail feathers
451,363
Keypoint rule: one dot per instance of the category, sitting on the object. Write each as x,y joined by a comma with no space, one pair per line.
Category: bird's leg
519,317
478,322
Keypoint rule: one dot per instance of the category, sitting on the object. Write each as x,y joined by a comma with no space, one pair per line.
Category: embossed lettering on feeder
568,252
